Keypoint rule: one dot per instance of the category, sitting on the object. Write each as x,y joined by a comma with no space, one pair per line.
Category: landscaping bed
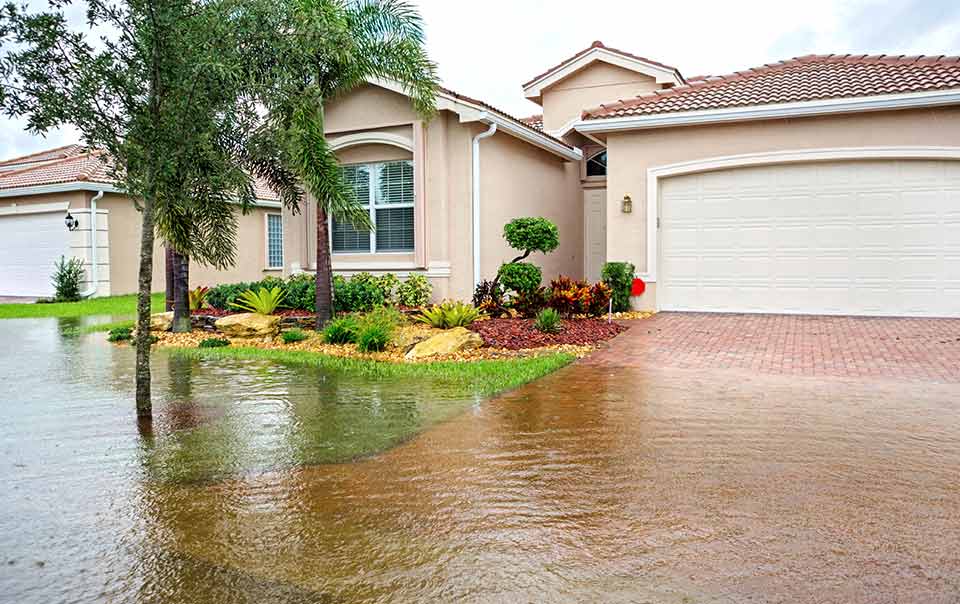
519,334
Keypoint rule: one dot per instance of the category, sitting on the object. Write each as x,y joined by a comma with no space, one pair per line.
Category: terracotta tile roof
807,78
503,113
599,44
47,155
78,166
534,121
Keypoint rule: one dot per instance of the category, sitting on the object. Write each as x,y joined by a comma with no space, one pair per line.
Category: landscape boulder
161,321
249,325
447,342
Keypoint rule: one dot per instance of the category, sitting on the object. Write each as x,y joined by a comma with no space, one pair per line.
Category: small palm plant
198,297
449,314
264,301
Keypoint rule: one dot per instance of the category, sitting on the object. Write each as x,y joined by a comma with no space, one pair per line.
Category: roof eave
913,100
80,185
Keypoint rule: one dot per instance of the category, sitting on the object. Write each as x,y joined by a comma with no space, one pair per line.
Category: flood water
272,483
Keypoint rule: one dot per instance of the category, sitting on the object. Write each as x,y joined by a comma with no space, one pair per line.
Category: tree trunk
145,283
168,298
324,300
181,293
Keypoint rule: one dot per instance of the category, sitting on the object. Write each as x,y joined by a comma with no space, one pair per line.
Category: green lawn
485,378
111,305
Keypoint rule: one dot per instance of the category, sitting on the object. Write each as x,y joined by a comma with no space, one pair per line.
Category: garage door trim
758,159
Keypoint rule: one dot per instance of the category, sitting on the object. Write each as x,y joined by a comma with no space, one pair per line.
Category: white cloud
488,49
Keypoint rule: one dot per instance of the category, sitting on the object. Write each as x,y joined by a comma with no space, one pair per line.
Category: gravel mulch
517,334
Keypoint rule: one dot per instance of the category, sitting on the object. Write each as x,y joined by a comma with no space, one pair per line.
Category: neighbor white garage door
30,244
859,238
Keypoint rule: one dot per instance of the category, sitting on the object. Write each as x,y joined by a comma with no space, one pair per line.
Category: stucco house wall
631,154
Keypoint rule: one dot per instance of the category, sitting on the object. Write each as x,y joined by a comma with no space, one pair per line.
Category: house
822,184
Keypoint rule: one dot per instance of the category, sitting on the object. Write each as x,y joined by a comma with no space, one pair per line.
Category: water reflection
259,484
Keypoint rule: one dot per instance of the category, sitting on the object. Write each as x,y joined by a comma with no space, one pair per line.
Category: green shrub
528,304
548,321
449,314
213,343
373,338
415,291
67,277
296,334
520,276
387,316
120,334
488,298
388,284
619,277
264,301
532,235
301,292
358,294
599,302
341,331
223,296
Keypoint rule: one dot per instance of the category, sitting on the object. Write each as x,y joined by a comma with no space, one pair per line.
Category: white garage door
30,244
857,238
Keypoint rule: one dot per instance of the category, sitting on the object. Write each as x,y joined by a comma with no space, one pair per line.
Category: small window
386,190
597,164
274,241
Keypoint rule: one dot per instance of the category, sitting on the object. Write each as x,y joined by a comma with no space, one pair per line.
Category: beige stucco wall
590,87
519,180
75,199
125,250
367,107
631,154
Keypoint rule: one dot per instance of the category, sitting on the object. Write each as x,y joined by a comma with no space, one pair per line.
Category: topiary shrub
213,343
619,277
531,235
341,331
520,276
415,291
67,277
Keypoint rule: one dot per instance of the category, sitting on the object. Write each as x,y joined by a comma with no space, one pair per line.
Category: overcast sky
487,49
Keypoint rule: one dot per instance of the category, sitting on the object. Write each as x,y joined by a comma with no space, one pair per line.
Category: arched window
597,164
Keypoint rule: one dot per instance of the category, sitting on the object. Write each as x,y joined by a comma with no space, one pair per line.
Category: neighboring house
822,184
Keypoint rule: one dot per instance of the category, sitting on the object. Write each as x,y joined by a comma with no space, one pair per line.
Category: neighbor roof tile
807,78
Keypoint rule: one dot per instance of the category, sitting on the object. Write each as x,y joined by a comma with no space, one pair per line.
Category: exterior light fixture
627,206
71,222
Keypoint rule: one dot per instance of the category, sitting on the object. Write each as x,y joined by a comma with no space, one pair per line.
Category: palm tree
330,48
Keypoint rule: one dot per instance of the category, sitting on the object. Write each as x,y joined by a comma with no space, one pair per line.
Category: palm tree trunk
181,293
168,298
324,300
145,283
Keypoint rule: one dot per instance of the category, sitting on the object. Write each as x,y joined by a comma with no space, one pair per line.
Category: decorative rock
249,325
448,342
406,337
161,321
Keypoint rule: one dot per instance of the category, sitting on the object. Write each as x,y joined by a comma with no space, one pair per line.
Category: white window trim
373,207
654,175
266,241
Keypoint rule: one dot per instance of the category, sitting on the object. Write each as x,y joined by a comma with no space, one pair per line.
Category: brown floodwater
269,483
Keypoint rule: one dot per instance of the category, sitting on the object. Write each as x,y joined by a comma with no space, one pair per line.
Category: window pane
348,239
395,230
597,165
344,237
396,183
274,240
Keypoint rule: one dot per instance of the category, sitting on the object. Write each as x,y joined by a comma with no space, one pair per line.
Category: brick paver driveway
850,347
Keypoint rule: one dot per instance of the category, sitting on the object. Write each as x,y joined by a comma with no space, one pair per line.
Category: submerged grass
486,378
110,305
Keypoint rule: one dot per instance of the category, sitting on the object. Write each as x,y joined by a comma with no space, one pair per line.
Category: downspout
93,246
476,199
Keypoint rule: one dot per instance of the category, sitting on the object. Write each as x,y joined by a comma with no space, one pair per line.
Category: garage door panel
871,237
30,244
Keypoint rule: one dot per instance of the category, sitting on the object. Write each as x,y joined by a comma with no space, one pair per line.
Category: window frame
374,169
266,237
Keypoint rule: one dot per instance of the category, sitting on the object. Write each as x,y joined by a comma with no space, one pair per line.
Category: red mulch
216,312
515,334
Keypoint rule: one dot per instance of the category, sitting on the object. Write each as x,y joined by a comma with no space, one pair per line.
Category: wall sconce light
627,206
71,222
